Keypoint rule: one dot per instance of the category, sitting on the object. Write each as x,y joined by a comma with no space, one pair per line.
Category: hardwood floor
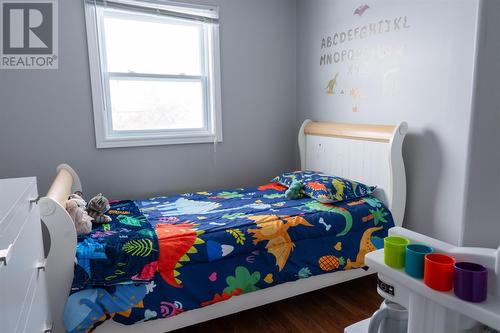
327,310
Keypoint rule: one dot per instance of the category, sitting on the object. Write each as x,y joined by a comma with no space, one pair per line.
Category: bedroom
263,74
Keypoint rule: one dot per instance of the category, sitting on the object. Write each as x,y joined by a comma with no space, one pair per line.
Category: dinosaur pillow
324,188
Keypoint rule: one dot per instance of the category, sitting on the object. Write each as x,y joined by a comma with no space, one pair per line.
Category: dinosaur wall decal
330,88
361,10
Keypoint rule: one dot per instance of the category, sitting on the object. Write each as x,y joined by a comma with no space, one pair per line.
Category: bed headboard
371,154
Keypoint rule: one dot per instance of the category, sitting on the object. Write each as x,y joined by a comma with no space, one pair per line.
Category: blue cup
415,254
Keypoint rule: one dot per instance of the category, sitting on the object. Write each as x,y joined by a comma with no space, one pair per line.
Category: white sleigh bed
371,154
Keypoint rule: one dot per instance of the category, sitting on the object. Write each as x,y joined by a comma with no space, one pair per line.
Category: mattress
192,250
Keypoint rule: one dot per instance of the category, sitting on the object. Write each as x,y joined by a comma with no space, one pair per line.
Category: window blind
179,10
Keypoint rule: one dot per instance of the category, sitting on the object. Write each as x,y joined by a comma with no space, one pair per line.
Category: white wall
482,222
422,74
46,116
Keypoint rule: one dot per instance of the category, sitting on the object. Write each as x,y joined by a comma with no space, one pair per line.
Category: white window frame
105,136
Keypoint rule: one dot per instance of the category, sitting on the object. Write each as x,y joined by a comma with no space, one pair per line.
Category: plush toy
75,206
294,191
97,208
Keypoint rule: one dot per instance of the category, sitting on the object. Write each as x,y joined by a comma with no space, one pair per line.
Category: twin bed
197,256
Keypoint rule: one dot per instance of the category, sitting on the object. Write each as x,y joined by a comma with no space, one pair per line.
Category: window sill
121,142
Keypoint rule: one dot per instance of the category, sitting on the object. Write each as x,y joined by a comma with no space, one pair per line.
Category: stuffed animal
75,206
97,208
294,191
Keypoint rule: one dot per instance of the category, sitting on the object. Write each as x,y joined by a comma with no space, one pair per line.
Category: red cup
438,271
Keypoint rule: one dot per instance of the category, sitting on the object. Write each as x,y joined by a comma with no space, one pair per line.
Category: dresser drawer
21,317
34,316
12,221
19,277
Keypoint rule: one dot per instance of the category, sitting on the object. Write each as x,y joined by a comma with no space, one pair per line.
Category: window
155,72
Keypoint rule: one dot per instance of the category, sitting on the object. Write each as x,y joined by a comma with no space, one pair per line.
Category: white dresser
23,293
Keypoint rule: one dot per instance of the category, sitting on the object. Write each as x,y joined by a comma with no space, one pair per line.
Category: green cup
395,251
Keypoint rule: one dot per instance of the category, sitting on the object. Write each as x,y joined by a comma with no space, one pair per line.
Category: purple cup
471,281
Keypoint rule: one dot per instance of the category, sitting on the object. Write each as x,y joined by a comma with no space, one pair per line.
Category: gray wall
482,223
46,116
451,153
422,74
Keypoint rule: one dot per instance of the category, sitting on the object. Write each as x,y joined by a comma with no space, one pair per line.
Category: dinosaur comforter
162,256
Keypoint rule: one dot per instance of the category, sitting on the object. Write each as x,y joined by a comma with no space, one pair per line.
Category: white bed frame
371,154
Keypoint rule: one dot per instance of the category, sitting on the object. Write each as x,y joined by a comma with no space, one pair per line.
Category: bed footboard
59,241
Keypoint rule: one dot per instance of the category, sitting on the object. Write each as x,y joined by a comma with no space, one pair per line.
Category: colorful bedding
212,246
116,252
